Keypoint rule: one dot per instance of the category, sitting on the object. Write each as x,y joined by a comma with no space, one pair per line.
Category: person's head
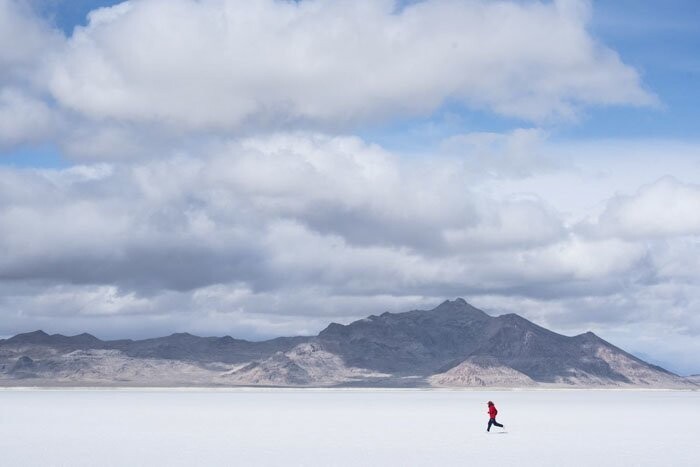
489,403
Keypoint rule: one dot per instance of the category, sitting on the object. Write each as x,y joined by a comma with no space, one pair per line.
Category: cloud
185,222
516,154
290,210
24,118
232,309
236,65
125,88
501,225
24,41
676,259
664,208
280,234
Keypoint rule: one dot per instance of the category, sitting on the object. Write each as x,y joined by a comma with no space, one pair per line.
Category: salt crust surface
178,427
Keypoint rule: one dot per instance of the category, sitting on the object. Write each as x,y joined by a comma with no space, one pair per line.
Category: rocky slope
100,367
457,335
452,345
481,372
307,364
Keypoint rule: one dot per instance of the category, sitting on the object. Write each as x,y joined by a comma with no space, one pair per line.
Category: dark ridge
35,337
408,346
40,338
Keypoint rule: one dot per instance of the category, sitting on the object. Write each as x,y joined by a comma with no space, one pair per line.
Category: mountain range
452,345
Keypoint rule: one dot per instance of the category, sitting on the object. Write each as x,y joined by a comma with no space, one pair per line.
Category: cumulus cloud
237,64
125,87
516,154
24,118
232,309
501,225
24,41
664,208
280,234
185,222
676,259
270,212
288,211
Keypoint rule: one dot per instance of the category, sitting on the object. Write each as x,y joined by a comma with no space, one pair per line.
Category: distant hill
452,345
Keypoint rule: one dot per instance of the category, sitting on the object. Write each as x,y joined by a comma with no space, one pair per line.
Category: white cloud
286,208
664,208
502,225
516,154
280,234
237,64
24,118
676,259
125,87
232,309
24,41
287,211
578,178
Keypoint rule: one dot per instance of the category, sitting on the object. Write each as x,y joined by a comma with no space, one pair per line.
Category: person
492,416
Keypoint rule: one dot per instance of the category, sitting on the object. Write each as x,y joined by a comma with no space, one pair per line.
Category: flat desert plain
347,427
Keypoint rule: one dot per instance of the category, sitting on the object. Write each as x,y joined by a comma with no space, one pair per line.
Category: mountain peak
83,339
458,305
182,335
40,338
34,337
589,335
451,304
37,333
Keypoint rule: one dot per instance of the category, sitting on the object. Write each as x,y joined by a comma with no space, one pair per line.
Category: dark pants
492,421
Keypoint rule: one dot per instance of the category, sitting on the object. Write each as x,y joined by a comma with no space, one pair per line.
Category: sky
261,168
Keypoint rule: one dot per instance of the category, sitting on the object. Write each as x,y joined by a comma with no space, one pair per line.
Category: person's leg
491,421
497,424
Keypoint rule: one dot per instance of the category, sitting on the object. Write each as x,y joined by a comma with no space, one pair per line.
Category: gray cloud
282,234
252,211
272,215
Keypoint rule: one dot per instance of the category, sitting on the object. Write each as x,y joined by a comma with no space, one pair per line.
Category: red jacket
492,411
